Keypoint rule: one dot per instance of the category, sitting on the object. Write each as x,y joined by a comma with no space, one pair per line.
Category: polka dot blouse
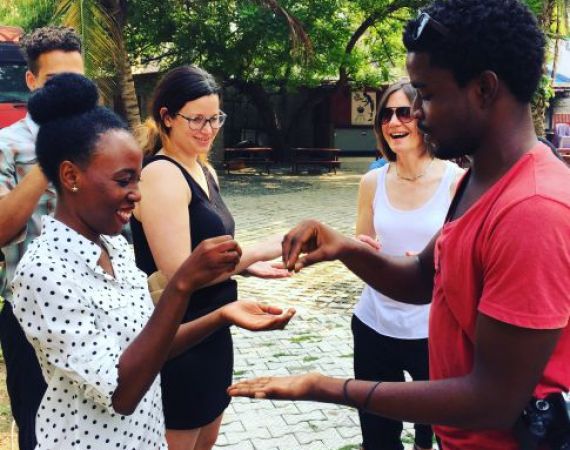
79,320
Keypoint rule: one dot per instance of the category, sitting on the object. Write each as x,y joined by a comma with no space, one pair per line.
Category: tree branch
373,18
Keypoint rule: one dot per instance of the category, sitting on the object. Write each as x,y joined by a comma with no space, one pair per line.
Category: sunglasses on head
425,22
403,114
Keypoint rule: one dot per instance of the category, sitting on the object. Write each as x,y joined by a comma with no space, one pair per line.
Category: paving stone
319,337
287,442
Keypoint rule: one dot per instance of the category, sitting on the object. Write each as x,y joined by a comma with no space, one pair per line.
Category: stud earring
74,188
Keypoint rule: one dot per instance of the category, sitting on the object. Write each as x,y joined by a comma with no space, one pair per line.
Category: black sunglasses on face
403,114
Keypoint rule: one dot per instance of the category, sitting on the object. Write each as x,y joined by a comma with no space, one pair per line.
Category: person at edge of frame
499,334
25,196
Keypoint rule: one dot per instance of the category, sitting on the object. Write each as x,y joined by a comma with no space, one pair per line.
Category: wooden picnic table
238,158
324,157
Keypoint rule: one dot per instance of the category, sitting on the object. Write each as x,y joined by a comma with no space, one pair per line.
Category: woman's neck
412,164
74,222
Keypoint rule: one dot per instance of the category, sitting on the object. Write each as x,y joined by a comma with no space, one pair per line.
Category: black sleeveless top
209,217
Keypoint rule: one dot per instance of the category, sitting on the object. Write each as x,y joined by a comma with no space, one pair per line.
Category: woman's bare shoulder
164,171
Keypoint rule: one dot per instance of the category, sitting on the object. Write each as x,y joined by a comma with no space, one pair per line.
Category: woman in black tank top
181,206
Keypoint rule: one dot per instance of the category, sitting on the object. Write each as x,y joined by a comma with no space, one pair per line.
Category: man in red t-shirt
497,272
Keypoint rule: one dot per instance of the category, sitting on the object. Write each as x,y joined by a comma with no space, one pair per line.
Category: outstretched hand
296,387
255,316
209,260
373,243
267,269
317,241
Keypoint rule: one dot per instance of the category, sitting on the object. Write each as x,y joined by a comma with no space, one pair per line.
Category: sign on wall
363,108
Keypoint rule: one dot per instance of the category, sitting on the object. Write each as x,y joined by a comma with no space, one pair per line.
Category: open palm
255,316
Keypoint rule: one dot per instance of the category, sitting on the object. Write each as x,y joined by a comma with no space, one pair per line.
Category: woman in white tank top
400,206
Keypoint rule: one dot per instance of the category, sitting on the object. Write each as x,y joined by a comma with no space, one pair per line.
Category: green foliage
544,93
99,35
535,5
240,40
28,14
90,19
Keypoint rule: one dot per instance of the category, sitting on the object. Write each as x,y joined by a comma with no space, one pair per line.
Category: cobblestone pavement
319,337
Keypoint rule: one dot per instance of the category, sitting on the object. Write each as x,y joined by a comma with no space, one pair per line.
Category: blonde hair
148,135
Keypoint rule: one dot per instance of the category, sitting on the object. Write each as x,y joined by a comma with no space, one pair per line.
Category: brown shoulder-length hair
410,92
174,90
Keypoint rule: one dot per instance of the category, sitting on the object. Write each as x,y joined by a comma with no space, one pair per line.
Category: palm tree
101,24
552,16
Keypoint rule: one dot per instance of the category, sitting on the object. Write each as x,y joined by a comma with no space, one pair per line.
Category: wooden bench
323,157
239,158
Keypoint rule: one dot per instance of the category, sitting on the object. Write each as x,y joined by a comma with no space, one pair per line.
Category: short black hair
498,35
47,39
70,122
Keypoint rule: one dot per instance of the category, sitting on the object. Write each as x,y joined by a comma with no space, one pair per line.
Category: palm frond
100,37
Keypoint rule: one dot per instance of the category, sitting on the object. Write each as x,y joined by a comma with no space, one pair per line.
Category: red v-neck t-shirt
507,257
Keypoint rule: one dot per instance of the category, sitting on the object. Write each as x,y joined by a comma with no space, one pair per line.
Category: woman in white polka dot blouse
79,297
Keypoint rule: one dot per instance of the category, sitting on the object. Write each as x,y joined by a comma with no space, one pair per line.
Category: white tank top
400,231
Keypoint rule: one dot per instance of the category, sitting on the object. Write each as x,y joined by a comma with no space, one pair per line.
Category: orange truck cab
13,90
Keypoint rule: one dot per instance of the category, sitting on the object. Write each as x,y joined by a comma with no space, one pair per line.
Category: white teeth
126,216
398,135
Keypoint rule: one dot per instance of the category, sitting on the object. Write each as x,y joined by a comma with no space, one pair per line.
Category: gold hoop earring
74,188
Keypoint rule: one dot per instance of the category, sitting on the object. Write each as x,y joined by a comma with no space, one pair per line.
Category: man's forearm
453,402
400,278
19,204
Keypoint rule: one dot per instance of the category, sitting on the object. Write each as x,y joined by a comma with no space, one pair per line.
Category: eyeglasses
199,122
403,114
423,20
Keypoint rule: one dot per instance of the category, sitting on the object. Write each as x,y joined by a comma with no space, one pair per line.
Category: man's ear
487,88
31,81
69,176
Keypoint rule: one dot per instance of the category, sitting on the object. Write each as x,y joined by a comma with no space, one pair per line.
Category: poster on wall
363,108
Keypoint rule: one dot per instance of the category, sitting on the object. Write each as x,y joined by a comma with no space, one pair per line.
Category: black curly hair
47,39
498,35
70,122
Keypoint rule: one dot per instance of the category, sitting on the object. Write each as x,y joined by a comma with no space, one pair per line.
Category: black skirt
194,383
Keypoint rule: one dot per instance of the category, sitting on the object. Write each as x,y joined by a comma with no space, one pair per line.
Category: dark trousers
24,379
382,358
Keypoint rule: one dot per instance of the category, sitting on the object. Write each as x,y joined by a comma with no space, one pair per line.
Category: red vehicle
13,90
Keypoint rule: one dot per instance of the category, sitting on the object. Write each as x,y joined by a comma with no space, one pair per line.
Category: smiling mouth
399,135
203,140
125,214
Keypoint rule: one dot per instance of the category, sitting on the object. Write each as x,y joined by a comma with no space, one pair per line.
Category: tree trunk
118,10
268,115
540,102
313,98
556,51
128,93
538,115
